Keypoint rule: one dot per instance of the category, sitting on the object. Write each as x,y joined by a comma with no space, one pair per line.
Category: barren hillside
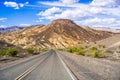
59,33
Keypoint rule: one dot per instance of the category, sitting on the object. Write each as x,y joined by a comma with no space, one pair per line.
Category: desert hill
59,33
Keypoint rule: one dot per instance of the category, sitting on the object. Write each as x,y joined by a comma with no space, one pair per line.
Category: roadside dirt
86,68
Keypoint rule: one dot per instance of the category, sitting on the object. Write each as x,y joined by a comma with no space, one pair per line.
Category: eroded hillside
59,33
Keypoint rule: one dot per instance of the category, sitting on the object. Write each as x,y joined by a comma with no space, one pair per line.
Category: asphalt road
47,66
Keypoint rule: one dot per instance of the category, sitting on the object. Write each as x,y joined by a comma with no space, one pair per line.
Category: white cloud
69,1
21,5
60,4
100,20
50,12
97,13
26,3
105,3
3,19
65,3
14,4
24,25
11,4
2,26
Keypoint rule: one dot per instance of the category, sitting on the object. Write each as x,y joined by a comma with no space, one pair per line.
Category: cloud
21,5
3,19
50,12
14,4
66,3
24,25
69,1
2,26
97,13
105,3
100,20
11,4
60,4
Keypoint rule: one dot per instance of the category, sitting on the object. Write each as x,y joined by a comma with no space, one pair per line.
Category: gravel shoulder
86,68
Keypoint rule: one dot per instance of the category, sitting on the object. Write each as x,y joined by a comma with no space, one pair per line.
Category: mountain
107,29
9,29
4,45
59,33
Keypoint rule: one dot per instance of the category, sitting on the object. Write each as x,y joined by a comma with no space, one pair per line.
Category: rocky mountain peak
62,23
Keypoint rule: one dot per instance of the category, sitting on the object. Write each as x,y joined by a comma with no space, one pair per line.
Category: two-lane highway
48,66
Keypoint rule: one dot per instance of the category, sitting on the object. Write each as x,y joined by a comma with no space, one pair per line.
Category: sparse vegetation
33,50
9,52
77,50
93,49
60,49
102,46
71,49
96,53
41,50
86,46
101,54
2,52
81,51
12,52
93,54
30,50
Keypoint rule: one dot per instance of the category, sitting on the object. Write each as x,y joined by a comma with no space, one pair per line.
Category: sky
95,13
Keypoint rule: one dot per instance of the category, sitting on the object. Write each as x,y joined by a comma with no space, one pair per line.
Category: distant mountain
59,33
12,28
107,29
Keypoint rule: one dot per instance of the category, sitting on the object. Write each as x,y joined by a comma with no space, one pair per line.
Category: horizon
93,13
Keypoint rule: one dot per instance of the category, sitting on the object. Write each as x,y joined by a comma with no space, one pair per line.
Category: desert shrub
86,46
102,46
44,49
77,50
60,49
41,50
80,51
93,49
93,54
30,50
101,54
2,52
11,52
71,49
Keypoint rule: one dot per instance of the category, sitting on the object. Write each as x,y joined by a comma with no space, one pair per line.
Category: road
47,66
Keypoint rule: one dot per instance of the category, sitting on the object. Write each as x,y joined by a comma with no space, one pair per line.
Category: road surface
47,66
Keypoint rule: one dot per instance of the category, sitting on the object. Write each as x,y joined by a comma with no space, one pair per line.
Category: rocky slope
59,33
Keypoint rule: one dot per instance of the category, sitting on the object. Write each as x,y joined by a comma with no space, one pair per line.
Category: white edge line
67,69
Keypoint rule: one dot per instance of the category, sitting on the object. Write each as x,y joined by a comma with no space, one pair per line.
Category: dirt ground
86,68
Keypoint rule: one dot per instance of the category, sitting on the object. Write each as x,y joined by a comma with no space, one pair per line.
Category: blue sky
96,13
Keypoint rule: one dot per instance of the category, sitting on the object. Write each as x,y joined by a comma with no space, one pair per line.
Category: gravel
86,68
